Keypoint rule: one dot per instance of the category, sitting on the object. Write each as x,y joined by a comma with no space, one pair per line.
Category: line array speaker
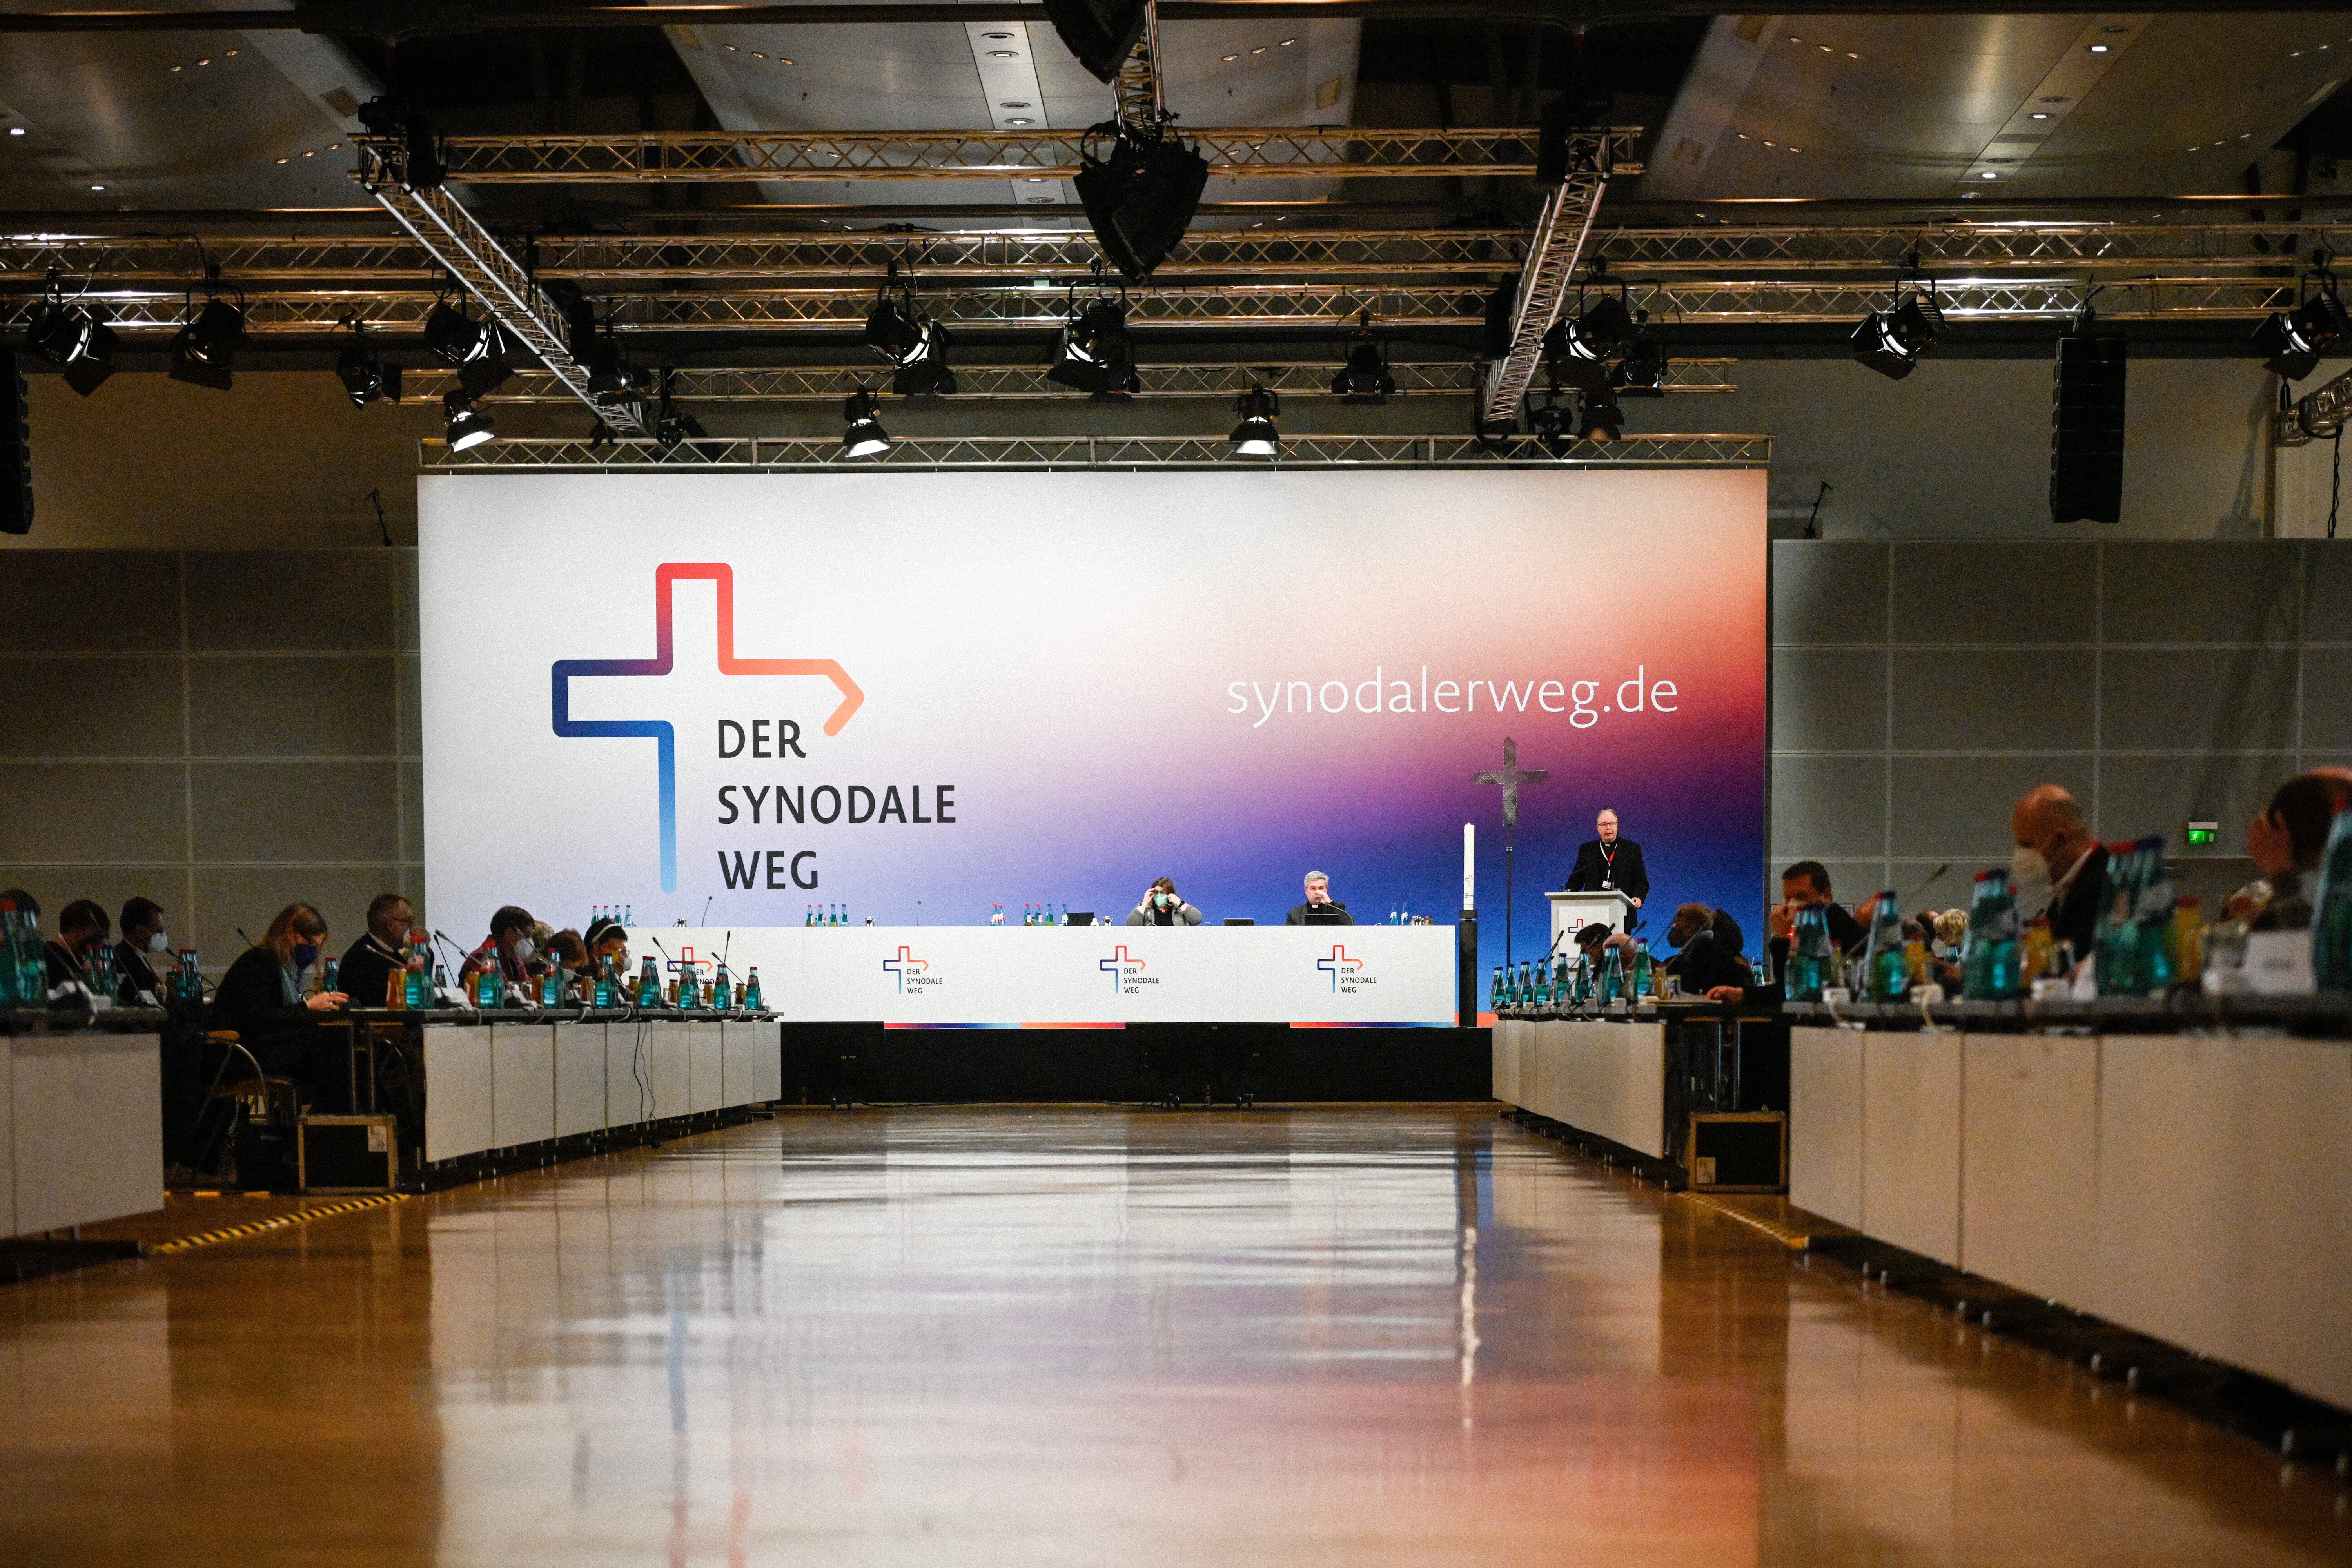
2086,430
16,479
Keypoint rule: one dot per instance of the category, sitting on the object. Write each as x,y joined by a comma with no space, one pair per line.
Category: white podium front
1570,911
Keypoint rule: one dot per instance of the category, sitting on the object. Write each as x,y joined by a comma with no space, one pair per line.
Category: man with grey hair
1319,904
2059,868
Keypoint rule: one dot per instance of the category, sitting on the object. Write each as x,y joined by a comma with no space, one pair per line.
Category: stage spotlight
1255,436
1139,199
913,342
457,338
1891,342
1549,421
1642,372
1100,33
70,334
1579,347
1095,354
1601,420
469,425
862,434
359,370
2292,344
203,352
1365,378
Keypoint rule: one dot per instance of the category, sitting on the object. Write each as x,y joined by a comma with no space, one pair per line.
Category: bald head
2051,821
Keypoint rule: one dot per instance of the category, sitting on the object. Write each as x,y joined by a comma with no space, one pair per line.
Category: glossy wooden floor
961,1338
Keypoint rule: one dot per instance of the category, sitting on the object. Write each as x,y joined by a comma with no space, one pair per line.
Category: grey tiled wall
222,732
1919,689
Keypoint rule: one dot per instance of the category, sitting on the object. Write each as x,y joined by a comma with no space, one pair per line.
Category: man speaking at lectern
1609,864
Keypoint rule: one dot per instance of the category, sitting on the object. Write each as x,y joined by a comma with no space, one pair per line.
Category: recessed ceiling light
16,130
98,188
996,37
1231,57
730,48
232,53
759,55
1259,51
2114,29
2041,114
1743,135
2294,54
310,154
1016,120
2098,49
1013,104
1287,42
1769,142
2057,100
1041,199
1990,175
285,160
176,67
1796,149
1794,39
1037,179
1004,54
784,60
1851,56
1826,49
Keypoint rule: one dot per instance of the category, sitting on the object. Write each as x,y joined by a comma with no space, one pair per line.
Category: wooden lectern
1571,910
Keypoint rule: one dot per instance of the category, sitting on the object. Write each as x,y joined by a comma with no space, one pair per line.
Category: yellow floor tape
279,1222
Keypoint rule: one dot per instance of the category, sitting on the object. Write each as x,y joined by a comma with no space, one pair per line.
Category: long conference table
1093,976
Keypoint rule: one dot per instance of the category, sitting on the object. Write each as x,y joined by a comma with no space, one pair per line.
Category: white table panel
767,1059
668,1050
86,1113
523,1084
457,1094
1825,1122
2225,1200
1509,1042
703,1056
1600,1078
628,1074
579,1078
1911,1141
2029,1163
1345,975
737,1069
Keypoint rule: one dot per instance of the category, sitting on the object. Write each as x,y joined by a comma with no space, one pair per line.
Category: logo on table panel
1125,972
1347,973
702,967
910,974
660,730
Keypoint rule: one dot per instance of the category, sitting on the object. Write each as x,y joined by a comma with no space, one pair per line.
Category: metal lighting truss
277,312
773,453
1137,85
830,384
2316,415
457,243
2109,253
1561,230
756,156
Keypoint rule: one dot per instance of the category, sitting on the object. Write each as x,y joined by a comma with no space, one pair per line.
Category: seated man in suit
1610,864
2061,869
1320,903
1706,966
1808,882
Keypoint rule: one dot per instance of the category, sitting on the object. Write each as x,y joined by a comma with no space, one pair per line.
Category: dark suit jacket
1297,915
363,974
1627,875
1705,963
1846,934
2076,917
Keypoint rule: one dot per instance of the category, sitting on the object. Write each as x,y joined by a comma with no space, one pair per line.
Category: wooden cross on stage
1510,777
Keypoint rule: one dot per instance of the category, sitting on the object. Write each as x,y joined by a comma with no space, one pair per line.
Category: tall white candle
1469,867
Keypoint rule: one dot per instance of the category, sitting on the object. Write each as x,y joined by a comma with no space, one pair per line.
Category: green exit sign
2204,833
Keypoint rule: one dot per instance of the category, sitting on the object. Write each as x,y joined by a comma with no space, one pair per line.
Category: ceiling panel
1939,107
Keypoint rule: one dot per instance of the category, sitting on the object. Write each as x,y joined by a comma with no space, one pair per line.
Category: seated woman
608,951
262,998
565,949
1163,906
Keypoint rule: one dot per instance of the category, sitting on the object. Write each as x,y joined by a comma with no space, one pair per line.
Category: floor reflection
983,1336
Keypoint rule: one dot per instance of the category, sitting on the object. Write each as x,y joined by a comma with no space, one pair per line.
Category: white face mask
523,950
158,942
2031,873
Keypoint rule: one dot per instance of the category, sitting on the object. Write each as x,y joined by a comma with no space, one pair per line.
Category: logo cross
659,730
1338,961
896,967
1113,964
